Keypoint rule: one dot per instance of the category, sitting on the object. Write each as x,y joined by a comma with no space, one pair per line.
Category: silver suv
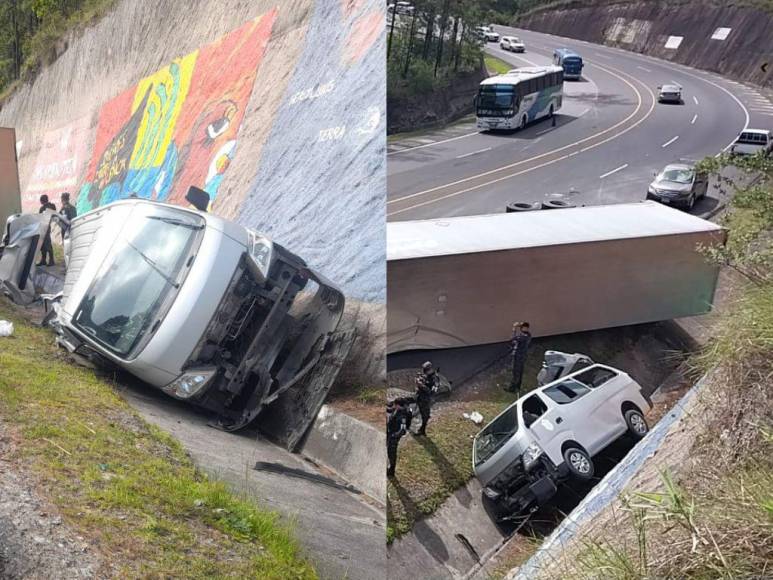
678,184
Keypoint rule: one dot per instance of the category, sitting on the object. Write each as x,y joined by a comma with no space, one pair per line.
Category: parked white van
552,434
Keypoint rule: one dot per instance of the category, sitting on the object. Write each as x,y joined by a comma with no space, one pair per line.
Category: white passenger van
552,434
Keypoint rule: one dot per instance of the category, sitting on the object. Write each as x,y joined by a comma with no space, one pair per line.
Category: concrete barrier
607,490
352,449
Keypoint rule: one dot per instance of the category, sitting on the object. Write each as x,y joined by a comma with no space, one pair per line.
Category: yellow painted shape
168,90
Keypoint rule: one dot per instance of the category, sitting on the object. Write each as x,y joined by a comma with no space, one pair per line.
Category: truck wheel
556,204
521,206
579,463
637,424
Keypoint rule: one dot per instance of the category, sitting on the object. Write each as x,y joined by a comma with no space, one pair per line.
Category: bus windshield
495,98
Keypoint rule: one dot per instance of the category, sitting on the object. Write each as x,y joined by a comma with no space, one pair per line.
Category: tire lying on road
556,204
521,206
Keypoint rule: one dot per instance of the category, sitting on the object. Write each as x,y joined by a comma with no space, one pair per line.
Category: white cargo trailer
463,281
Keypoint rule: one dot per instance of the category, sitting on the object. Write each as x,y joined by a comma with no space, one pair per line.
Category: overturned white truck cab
205,310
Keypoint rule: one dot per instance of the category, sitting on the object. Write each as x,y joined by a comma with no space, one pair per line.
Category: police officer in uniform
397,426
426,386
520,346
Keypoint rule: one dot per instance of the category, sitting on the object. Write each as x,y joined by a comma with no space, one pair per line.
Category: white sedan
512,43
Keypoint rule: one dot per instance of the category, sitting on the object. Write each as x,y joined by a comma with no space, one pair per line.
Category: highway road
610,137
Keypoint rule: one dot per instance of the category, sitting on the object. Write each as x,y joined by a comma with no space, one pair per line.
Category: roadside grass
430,469
126,485
497,65
714,518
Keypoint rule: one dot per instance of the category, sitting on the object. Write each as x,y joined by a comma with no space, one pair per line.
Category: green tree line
437,40
29,30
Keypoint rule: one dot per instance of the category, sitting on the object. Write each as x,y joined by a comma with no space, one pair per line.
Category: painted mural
330,208
177,127
59,162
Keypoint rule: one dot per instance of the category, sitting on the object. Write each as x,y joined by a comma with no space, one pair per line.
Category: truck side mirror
198,198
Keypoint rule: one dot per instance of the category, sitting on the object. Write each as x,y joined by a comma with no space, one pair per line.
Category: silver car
678,184
552,434
204,309
670,93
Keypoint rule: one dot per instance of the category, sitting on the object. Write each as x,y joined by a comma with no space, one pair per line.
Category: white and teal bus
518,97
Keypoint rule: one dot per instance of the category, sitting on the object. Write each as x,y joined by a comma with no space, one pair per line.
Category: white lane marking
667,143
695,118
644,69
694,98
433,143
474,153
608,173
584,110
546,131
541,165
603,55
769,113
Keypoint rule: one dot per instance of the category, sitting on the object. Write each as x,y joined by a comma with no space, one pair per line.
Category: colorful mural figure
59,163
178,126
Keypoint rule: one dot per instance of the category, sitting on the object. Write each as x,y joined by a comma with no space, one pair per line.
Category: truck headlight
190,383
531,455
261,250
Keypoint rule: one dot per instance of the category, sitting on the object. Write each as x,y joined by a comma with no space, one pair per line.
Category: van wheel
637,424
579,463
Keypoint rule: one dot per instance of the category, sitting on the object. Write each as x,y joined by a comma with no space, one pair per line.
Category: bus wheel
523,123
551,112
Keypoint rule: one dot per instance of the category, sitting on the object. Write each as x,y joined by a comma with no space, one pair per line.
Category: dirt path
34,543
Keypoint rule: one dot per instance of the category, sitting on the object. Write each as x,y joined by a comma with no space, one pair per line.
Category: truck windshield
488,441
136,276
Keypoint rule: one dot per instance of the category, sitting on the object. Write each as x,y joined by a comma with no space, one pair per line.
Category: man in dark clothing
68,211
397,426
47,249
520,347
426,385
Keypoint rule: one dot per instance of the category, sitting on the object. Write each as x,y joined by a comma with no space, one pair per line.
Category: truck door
289,415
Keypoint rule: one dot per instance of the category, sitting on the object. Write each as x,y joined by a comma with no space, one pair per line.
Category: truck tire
521,206
636,423
579,463
556,204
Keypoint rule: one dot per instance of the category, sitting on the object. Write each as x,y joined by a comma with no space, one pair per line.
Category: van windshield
138,273
488,441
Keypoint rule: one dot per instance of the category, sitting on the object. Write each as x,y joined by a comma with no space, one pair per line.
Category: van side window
567,391
533,409
595,377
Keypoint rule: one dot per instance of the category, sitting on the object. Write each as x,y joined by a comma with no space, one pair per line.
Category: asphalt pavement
611,137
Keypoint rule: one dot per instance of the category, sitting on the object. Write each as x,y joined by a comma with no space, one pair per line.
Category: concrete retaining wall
351,448
275,108
436,108
734,41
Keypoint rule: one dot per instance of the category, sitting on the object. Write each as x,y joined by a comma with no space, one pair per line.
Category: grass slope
125,484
